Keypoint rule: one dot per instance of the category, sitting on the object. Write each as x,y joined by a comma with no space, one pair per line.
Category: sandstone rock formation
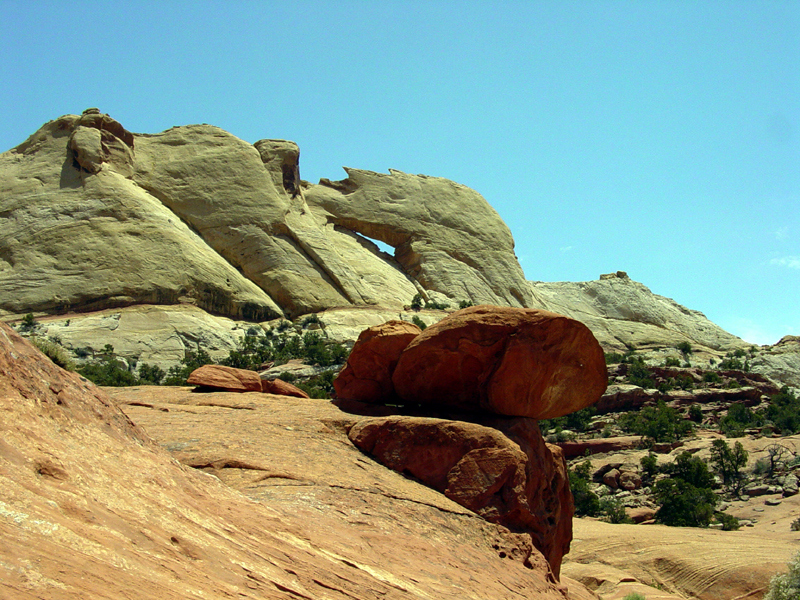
99,217
520,484
506,361
623,313
367,376
92,508
281,388
225,378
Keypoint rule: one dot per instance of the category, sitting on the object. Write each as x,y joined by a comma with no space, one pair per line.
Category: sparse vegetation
416,302
634,596
686,498
54,351
786,586
418,322
587,504
728,463
109,371
657,424
684,347
612,510
28,323
465,304
784,411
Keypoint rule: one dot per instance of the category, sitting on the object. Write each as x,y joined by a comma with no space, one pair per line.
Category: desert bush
577,421
639,374
728,463
711,377
784,411
587,504
739,418
108,371
613,358
465,304
786,586
695,413
733,364
649,466
28,323
310,319
416,302
659,424
612,510
191,360
686,498
54,352
795,526
728,522
434,305
684,347
634,596
418,322
150,374
672,362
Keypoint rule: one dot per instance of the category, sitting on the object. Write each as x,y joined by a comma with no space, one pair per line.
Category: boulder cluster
492,371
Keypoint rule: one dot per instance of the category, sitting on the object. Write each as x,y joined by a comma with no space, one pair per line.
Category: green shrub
684,347
418,322
433,305
672,362
729,522
711,377
695,413
732,364
613,358
109,371
634,596
786,586
311,319
686,498
728,463
577,421
659,424
649,466
28,323
639,374
465,304
587,504
612,510
416,302
54,352
738,419
151,374
784,411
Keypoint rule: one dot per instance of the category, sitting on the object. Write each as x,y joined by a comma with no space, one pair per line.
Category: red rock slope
92,508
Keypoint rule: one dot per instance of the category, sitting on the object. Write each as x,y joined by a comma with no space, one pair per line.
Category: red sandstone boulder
281,388
520,483
225,378
367,376
508,361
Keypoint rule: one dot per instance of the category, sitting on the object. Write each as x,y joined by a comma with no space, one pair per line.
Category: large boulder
510,477
225,378
367,376
507,361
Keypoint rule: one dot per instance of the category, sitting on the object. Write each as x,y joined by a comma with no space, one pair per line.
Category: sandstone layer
92,508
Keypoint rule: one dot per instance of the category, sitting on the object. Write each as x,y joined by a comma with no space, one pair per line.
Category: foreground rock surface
507,361
92,508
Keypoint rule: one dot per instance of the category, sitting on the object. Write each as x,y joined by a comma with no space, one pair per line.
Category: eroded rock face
195,214
367,376
506,361
225,378
93,508
517,483
281,388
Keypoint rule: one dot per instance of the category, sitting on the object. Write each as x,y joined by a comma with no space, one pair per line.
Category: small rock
772,501
610,479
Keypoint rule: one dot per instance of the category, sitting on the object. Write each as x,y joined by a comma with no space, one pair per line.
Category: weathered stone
367,376
225,378
506,361
599,445
610,478
521,485
629,480
281,388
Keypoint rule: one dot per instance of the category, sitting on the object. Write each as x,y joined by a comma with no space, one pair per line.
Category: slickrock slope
622,312
92,508
94,216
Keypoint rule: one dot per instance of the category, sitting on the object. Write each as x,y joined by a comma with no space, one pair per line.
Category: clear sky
659,138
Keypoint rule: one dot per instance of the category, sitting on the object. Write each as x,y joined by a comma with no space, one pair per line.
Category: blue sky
658,138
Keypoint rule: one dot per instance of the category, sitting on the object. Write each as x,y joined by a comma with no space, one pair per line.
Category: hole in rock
382,246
